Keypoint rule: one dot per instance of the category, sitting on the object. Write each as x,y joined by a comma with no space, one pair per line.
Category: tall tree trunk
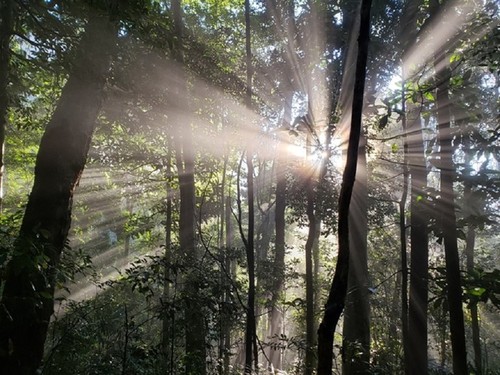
414,165
276,315
27,301
417,309
250,332
231,271
403,236
251,359
469,254
195,325
6,22
476,341
310,340
336,298
448,219
449,229
224,269
167,320
356,331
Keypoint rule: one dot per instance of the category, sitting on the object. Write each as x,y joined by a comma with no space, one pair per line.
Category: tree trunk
448,224
250,332
414,159
469,254
229,268
167,320
251,359
276,316
356,331
6,23
195,324
336,298
29,288
309,357
417,310
476,338
403,237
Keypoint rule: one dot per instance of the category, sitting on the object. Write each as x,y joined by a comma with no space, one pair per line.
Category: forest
227,187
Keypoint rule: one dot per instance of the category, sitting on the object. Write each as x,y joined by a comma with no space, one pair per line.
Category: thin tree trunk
223,256
6,22
476,340
336,297
251,359
195,325
250,333
417,310
414,165
167,339
229,268
449,225
356,331
403,236
29,288
276,316
446,202
309,357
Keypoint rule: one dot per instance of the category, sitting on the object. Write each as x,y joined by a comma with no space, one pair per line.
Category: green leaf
477,291
429,96
394,148
454,57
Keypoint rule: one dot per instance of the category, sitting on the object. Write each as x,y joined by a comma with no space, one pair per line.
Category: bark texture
27,301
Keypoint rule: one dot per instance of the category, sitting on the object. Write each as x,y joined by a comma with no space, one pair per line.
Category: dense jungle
231,187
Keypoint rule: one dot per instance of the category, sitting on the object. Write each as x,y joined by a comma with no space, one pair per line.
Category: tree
447,218
6,22
418,301
356,330
195,326
336,297
251,359
29,287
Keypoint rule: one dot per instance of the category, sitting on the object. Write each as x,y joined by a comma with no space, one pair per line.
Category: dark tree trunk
403,237
449,224
446,209
6,22
417,310
476,338
356,331
195,324
414,159
336,298
469,254
229,268
251,359
309,358
167,320
276,316
27,302
250,331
